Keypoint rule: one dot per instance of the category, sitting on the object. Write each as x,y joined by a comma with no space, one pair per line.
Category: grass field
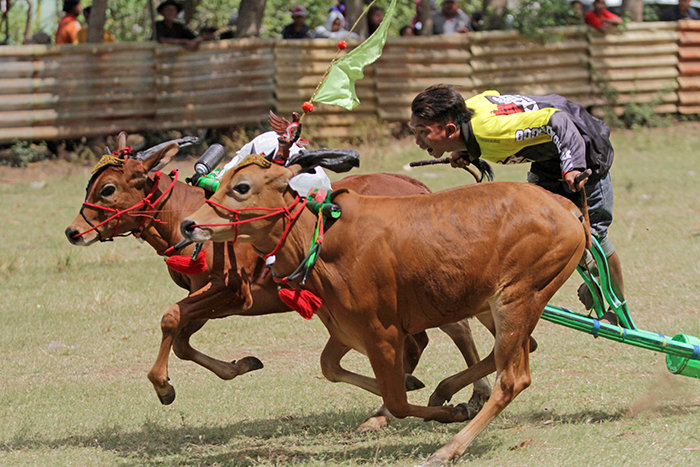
80,330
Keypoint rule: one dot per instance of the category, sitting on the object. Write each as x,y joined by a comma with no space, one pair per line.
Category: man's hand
570,179
457,161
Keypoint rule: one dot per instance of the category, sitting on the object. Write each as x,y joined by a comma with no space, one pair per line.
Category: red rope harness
287,211
146,201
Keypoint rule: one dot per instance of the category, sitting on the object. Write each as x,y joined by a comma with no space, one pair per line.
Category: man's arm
571,146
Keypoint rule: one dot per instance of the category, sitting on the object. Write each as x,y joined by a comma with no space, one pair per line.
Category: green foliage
535,15
24,152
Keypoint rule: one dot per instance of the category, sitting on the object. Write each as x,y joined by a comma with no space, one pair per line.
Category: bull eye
242,188
107,190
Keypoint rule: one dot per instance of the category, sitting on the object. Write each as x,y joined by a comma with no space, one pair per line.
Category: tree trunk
28,26
353,10
635,8
190,8
96,30
152,13
426,19
250,15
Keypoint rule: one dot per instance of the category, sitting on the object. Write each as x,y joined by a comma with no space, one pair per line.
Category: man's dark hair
68,5
440,103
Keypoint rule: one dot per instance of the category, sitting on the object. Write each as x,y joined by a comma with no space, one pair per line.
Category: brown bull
232,283
395,266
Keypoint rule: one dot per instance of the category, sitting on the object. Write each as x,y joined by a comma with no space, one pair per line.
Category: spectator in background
602,19
169,31
450,19
108,37
681,11
208,32
476,20
297,29
41,37
577,9
69,26
334,28
406,31
375,16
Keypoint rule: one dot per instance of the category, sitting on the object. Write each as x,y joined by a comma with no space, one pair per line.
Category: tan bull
394,266
232,283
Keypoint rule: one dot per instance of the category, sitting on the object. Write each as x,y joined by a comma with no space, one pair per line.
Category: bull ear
161,157
335,160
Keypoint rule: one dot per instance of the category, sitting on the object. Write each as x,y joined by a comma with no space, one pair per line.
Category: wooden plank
16,86
689,97
529,48
640,73
634,50
634,62
421,71
686,69
689,83
688,25
689,38
634,37
689,53
689,109
530,63
563,74
644,85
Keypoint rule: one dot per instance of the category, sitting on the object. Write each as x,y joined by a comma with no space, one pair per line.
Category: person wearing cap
450,19
69,26
297,29
169,31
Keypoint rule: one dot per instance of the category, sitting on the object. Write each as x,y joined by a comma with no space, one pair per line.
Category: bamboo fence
63,92
689,67
639,65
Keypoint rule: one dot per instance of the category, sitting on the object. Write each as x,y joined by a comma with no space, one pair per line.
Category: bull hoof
167,399
373,424
476,403
434,462
413,383
251,362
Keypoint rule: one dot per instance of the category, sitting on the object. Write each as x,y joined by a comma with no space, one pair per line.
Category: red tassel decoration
302,301
184,264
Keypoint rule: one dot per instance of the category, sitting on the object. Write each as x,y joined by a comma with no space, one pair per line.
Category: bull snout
190,231
75,238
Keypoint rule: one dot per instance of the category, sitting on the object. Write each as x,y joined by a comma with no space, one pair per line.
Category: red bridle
286,210
146,201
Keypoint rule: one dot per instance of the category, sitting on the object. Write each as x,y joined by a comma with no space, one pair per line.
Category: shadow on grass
289,440
326,437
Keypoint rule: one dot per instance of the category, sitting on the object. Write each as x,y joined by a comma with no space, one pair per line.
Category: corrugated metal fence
52,92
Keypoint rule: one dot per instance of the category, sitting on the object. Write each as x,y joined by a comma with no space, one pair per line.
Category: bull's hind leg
512,361
461,334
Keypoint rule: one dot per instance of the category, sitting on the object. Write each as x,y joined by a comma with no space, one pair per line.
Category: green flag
339,86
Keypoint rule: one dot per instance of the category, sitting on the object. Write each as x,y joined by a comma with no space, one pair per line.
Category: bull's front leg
332,370
169,324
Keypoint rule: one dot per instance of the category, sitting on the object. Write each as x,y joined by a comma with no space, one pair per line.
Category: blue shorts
600,204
